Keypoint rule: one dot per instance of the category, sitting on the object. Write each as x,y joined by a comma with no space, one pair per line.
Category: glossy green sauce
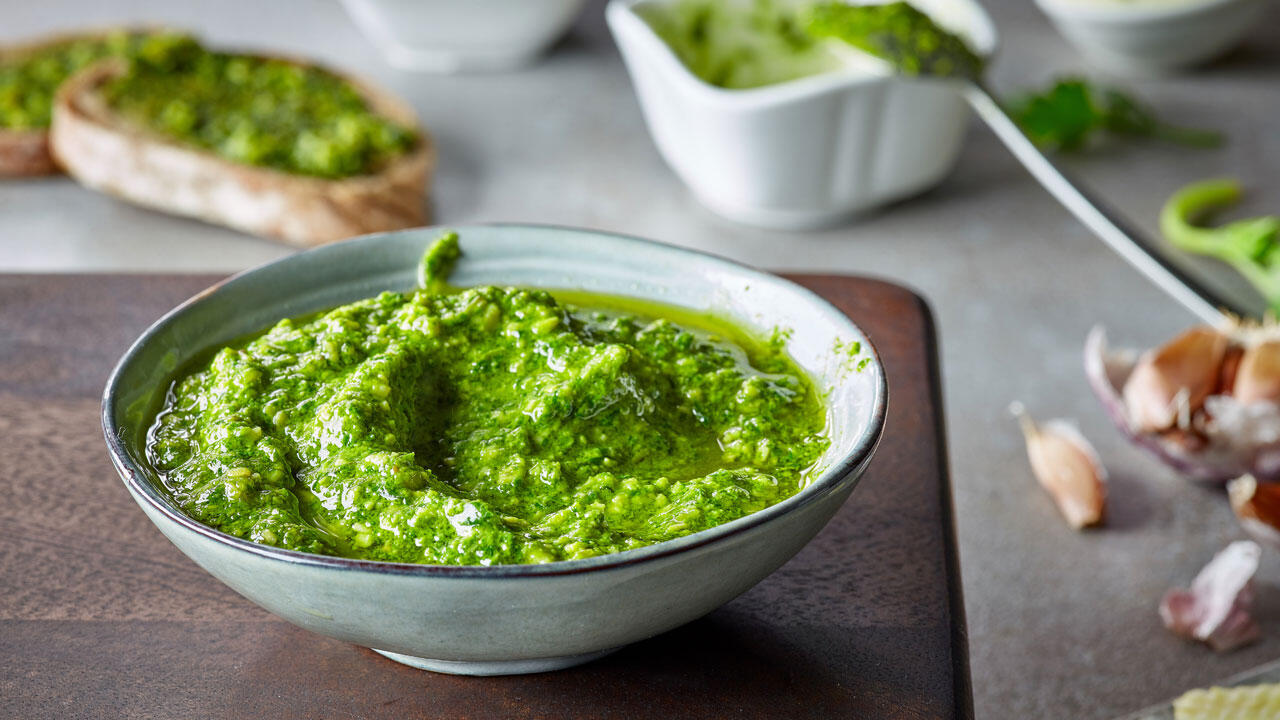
29,82
741,44
258,111
899,33
491,425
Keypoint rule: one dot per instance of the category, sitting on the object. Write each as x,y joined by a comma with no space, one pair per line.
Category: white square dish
804,153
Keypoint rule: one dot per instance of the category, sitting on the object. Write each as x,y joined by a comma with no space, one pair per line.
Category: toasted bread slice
26,152
106,152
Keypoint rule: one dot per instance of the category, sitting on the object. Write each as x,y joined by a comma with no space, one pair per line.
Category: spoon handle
1107,224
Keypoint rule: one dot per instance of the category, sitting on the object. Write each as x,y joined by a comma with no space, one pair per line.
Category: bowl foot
497,667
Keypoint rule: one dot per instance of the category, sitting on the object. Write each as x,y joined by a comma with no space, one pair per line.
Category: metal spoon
1127,241
909,42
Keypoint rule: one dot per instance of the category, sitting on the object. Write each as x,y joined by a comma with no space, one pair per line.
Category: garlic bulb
1067,467
1207,403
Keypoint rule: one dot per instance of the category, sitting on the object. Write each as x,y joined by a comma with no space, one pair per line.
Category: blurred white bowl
462,35
804,153
1150,37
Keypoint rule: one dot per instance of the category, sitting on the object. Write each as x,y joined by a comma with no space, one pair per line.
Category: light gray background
1062,624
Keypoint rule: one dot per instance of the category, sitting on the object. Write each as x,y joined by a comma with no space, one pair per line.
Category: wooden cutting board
101,617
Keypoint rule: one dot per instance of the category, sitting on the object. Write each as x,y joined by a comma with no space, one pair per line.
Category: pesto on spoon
913,44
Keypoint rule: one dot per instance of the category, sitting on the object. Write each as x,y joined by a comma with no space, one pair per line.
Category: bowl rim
627,26
1135,14
830,480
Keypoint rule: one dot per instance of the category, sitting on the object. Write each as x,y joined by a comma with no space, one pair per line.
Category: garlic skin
1067,467
1257,379
1216,439
1215,610
1174,379
1257,507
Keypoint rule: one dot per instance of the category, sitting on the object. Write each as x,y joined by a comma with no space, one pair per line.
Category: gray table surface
1062,624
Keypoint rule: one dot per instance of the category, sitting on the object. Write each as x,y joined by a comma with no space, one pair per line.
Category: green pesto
258,111
488,425
738,45
850,355
29,81
741,44
899,33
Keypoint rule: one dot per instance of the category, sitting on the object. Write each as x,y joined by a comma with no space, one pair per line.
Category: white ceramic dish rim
622,17
1135,14
831,479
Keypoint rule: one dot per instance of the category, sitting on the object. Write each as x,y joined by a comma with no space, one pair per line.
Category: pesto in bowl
486,426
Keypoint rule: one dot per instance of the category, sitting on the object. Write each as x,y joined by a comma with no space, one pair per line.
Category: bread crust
25,153
107,153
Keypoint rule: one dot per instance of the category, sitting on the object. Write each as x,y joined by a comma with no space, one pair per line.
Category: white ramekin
805,153
1151,38
462,35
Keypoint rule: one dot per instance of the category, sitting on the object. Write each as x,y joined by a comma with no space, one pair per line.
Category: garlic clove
1230,366
1257,379
1215,610
1174,379
1067,467
1257,507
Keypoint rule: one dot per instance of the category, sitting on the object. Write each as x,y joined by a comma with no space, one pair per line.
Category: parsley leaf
1073,111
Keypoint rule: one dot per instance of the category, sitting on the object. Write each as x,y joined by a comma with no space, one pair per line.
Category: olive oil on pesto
487,425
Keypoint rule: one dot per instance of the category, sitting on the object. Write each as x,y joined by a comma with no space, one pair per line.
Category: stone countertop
1061,624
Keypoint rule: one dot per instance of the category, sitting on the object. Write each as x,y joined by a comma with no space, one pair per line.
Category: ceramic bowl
1152,37
805,153
462,35
513,618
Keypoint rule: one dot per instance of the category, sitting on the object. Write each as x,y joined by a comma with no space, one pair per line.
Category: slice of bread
25,152
106,152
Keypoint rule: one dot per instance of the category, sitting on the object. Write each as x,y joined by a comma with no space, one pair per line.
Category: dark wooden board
101,617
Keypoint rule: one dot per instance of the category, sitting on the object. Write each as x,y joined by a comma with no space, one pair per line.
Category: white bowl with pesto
1152,37
447,36
511,618
807,152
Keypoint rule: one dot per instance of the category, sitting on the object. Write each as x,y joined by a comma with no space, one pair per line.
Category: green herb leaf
1062,118
1073,111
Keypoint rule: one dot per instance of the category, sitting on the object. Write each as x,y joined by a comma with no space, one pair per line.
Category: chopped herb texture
258,111
738,44
487,425
29,80
901,34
